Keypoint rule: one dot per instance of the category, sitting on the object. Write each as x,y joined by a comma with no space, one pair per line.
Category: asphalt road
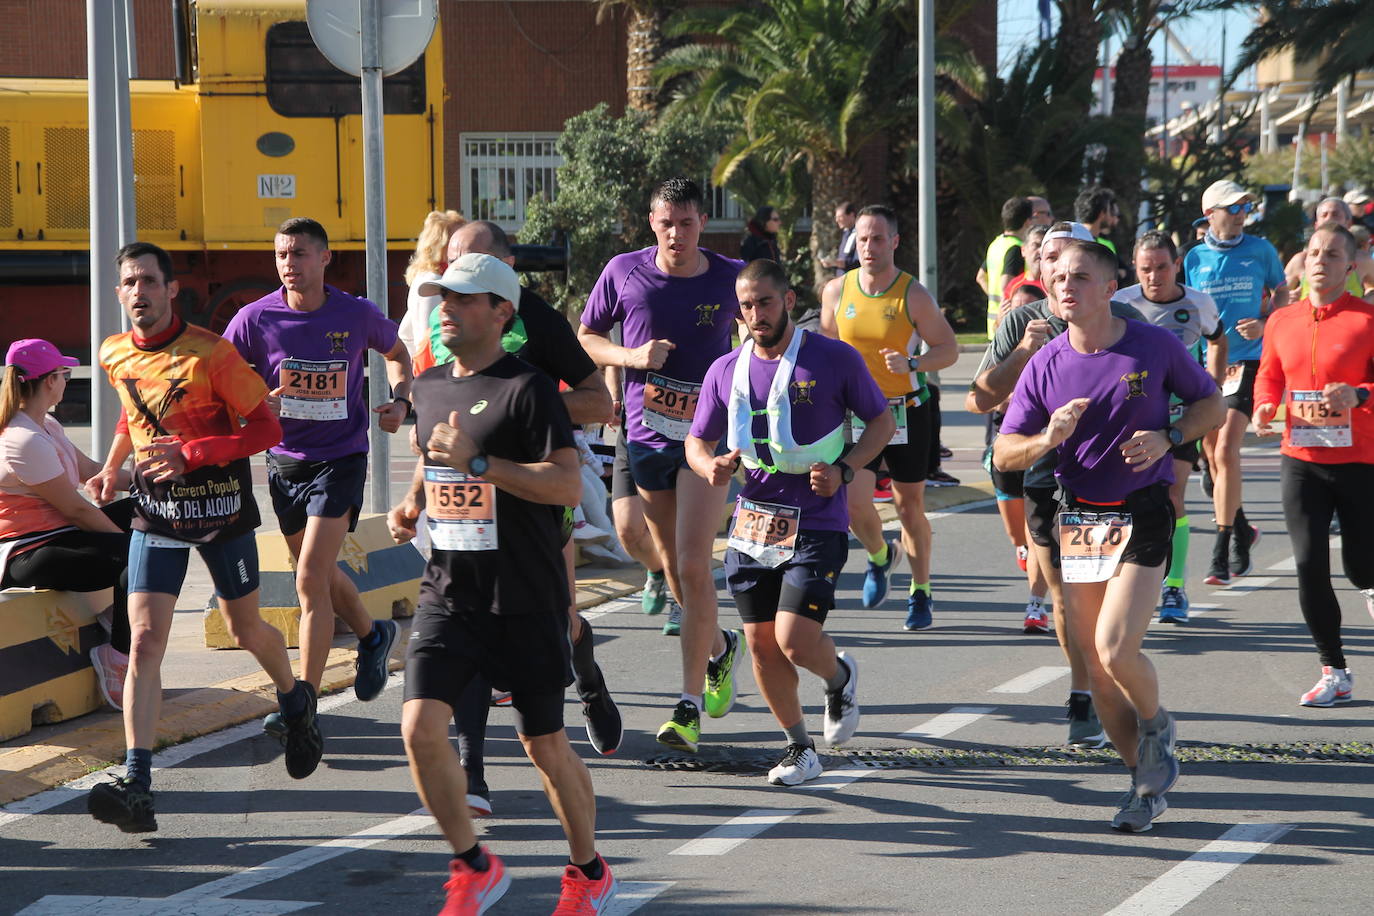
988,814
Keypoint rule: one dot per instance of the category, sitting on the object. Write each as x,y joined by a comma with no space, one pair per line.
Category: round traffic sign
407,26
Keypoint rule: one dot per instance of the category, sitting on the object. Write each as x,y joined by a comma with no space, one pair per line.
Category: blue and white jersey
1236,278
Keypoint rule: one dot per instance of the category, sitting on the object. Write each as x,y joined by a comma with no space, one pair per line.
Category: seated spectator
50,536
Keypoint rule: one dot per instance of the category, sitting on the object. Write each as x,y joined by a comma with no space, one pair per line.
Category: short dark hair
304,225
1352,246
1038,231
1016,212
679,191
1091,202
845,207
1095,251
764,269
497,240
1156,239
885,212
135,250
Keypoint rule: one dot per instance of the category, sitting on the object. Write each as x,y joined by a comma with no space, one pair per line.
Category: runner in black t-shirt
497,468
542,337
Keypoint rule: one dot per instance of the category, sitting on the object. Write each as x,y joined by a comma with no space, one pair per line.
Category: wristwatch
1361,395
1175,436
477,465
913,362
846,472
410,408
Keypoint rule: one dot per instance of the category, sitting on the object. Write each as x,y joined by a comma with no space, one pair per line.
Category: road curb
188,714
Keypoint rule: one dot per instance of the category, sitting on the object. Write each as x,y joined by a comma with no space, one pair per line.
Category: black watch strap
846,472
1361,395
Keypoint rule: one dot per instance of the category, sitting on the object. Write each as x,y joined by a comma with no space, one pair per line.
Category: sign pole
104,201
374,189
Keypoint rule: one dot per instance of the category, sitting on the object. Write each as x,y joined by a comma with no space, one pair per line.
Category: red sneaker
882,490
111,666
1022,553
581,895
471,892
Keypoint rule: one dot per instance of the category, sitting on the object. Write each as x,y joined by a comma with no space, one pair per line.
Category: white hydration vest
788,457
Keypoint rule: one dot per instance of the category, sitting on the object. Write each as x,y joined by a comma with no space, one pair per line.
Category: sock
796,734
656,576
919,587
373,637
840,677
879,558
1035,601
584,663
296,702
593,869
475,858
693,698
729,644
1157,722
138,766
1179,562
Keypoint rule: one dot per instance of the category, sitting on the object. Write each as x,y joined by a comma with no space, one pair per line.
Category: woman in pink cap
50,536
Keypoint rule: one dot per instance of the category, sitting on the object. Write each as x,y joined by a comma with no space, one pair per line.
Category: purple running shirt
830,379
1128,386
696,313
325,411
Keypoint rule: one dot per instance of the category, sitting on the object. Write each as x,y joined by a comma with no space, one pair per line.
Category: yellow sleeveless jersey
871,324
1353,285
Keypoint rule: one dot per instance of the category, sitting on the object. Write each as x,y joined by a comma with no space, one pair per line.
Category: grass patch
965,338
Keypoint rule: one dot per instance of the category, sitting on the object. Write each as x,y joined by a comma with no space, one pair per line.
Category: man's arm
402,518
992,387
982,279
393,413
1217,348
103,487
1278,300
1018,451
930,324
830,300
588,401
1364,267
1292,273
598,345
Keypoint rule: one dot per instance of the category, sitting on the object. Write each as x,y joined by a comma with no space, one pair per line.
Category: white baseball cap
1356,197
477,273
1076,231
1223,193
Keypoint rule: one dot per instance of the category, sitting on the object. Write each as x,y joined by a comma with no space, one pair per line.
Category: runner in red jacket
1319,357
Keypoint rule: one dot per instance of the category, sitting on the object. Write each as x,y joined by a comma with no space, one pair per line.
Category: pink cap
34,356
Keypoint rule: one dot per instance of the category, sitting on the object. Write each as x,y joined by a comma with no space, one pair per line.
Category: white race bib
1091,544
1235,374
314,390
461,509
766,531
896,407
1311,424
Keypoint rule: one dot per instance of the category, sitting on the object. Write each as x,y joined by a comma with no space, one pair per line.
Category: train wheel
230,297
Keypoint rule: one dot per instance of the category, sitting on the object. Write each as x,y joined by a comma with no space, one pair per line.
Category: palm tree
644,47
1337,34
805,80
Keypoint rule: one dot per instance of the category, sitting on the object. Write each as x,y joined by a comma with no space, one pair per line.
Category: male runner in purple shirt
307,341
790,534
676,303
1099,394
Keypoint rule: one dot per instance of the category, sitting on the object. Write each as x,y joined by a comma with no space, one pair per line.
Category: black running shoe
1219,573
604,728
304,743
124,803
1242,539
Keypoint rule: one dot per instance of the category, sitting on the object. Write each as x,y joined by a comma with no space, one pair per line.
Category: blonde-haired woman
50,536
426,265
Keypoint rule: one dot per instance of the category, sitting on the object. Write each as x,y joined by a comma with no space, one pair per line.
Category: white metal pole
1342,107
925,141
374,184
104,205
124,135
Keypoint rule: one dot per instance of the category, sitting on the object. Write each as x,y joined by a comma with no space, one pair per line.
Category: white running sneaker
799,764
842,706
1333,687
1368,600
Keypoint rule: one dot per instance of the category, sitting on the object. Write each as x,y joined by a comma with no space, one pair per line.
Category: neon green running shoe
683,730
673,625
719,695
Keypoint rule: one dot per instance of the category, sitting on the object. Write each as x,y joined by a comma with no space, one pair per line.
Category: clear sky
1018,22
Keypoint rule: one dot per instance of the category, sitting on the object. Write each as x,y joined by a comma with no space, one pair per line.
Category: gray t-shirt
1008,336
1190,317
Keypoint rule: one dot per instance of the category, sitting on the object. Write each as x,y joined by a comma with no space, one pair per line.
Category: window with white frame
502,173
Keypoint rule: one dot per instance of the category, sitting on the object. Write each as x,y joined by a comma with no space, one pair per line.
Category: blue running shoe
875,580
1173,605
918,611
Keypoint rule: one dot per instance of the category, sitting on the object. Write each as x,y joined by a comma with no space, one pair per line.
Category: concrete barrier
386,574
45,664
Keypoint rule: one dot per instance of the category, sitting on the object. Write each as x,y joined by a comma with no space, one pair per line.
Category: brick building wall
54,38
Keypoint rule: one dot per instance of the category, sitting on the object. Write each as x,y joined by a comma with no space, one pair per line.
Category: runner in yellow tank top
885,314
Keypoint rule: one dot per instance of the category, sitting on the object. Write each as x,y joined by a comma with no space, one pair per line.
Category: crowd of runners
1102,400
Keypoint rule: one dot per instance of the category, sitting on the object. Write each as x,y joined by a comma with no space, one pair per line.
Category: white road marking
631,895
1246,586
172,756
838,779
1183,883
948,722
209,897
735,831
1032,680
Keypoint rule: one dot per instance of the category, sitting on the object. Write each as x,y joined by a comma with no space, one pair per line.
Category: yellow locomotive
258,127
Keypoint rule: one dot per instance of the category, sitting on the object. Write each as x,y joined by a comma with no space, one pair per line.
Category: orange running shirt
194,385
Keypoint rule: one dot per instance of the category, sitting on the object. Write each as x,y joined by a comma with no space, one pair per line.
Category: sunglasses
1244,206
